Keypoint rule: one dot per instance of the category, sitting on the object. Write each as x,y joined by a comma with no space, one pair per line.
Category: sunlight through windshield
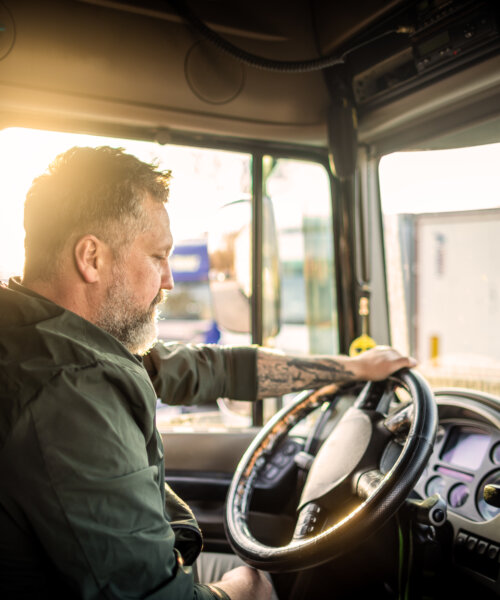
203,181
442,225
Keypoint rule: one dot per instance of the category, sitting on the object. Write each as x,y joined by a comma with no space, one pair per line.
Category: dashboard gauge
495,454
458,495
436,485
486,510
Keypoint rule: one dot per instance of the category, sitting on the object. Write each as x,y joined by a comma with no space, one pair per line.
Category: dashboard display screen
465,447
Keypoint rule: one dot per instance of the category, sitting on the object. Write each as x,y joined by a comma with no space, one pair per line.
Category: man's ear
90,255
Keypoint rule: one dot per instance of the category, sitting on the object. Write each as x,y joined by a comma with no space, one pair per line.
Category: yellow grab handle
360,344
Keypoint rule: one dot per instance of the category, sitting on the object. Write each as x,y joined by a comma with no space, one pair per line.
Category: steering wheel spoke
368,483
399,423
373,396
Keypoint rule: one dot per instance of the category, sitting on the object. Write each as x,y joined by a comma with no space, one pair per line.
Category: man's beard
134,327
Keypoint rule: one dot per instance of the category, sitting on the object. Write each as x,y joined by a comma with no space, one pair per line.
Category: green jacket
84,511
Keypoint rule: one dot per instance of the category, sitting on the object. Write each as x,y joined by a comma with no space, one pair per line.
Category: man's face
139,276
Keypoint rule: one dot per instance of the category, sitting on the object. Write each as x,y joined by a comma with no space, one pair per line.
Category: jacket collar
24,307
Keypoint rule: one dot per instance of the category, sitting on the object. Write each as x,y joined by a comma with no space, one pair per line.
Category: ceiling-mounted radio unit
446,36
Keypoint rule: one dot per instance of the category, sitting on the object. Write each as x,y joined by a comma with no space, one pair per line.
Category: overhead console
443,37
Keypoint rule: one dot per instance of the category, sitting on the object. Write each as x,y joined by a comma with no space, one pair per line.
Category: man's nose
167,279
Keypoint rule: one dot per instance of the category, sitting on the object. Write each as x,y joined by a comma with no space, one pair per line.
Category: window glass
300,195
298,247
442,225
298,252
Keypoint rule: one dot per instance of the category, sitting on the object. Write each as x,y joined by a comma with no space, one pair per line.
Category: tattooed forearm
280,374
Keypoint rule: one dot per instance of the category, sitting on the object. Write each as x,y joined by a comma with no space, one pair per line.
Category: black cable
260,62
314,25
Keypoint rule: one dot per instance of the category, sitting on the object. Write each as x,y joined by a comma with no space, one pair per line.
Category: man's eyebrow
164,249
166,244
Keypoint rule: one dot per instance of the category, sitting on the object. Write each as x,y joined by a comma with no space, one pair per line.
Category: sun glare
441,180
203,180
25,154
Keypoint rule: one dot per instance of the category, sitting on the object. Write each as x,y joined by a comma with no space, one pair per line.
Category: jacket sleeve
198,374
90,488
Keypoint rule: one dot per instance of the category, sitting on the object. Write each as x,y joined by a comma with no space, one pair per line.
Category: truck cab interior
340,162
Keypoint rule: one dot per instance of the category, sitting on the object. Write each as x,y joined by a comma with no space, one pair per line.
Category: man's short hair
97,191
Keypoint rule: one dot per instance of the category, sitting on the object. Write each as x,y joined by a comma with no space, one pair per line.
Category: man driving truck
84,509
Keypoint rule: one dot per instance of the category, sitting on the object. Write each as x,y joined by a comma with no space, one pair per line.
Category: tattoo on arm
280,374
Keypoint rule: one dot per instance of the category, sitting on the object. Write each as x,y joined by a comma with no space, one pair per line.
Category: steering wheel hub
348,450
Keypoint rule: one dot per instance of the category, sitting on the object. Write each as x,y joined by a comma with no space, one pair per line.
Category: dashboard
466,457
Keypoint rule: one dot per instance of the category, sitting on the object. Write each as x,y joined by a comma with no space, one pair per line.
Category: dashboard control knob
491,494
431,511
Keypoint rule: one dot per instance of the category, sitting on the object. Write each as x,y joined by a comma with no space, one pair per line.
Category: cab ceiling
105,65
125,67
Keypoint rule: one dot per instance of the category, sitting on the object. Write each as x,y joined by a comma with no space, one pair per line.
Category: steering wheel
371,457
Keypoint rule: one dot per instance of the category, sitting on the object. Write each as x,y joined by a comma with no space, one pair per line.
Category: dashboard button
461,539
271,472
471,542
290,448
281,459
439,516
492,552
481,547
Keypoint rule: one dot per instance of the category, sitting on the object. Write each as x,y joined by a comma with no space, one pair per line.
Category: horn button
354,447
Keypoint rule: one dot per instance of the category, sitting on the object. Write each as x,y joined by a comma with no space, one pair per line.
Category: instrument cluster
466,457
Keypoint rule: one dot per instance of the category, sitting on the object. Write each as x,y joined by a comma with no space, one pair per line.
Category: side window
298,252
300,195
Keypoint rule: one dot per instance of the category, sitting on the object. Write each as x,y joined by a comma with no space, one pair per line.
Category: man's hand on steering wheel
378,363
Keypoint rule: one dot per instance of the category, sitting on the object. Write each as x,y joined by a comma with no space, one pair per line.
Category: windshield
441,215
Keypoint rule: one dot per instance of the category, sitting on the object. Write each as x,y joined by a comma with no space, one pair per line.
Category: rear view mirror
230,253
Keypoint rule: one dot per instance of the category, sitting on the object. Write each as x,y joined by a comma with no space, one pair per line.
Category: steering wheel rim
371,514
